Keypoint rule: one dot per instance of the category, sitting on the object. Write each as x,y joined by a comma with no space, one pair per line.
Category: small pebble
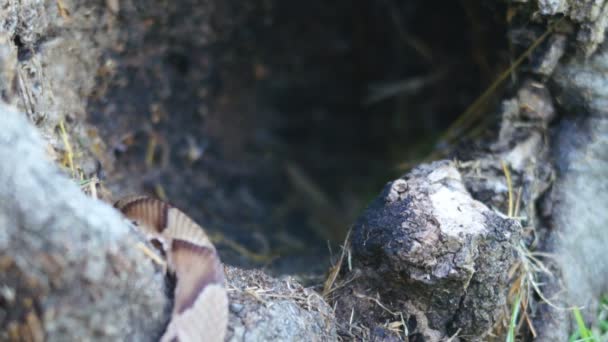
236,308
398,187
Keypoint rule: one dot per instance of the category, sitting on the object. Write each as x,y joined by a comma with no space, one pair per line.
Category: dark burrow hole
273,123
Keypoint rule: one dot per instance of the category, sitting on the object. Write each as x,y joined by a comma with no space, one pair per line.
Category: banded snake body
200,311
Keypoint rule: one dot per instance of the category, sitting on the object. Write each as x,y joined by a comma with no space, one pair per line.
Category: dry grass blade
68,147
328,286
525,272
152,255
397,314
505,169
472,113
410,40
62,9
219,238
517,202
151,150
160,192
382,92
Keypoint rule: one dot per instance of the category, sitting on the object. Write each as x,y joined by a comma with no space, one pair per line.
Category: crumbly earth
263,308
273,130
431,253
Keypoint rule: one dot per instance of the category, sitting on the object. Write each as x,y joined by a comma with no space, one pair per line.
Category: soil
262,119
274,124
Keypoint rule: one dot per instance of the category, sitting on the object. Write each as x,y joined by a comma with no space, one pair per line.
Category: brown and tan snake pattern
200,311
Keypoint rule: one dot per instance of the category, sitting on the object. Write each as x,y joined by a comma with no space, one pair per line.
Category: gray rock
77,254
577,205
268,309
592,15
546,63
437,249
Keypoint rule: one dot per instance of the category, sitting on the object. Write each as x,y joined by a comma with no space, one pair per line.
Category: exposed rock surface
49,60
592,16
578,202
69,263
425,244
267,309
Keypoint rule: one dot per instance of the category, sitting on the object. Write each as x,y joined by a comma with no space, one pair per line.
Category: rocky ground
275,125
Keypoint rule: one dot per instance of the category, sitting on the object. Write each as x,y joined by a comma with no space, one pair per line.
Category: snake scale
200,310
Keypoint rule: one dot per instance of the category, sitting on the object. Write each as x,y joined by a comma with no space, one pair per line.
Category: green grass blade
584,332
513,322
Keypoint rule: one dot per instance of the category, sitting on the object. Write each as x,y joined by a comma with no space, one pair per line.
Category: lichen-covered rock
425,243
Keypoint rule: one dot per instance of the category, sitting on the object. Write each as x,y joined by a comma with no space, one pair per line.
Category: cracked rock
433,253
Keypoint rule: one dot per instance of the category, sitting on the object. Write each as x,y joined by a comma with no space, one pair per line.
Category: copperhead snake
200,310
